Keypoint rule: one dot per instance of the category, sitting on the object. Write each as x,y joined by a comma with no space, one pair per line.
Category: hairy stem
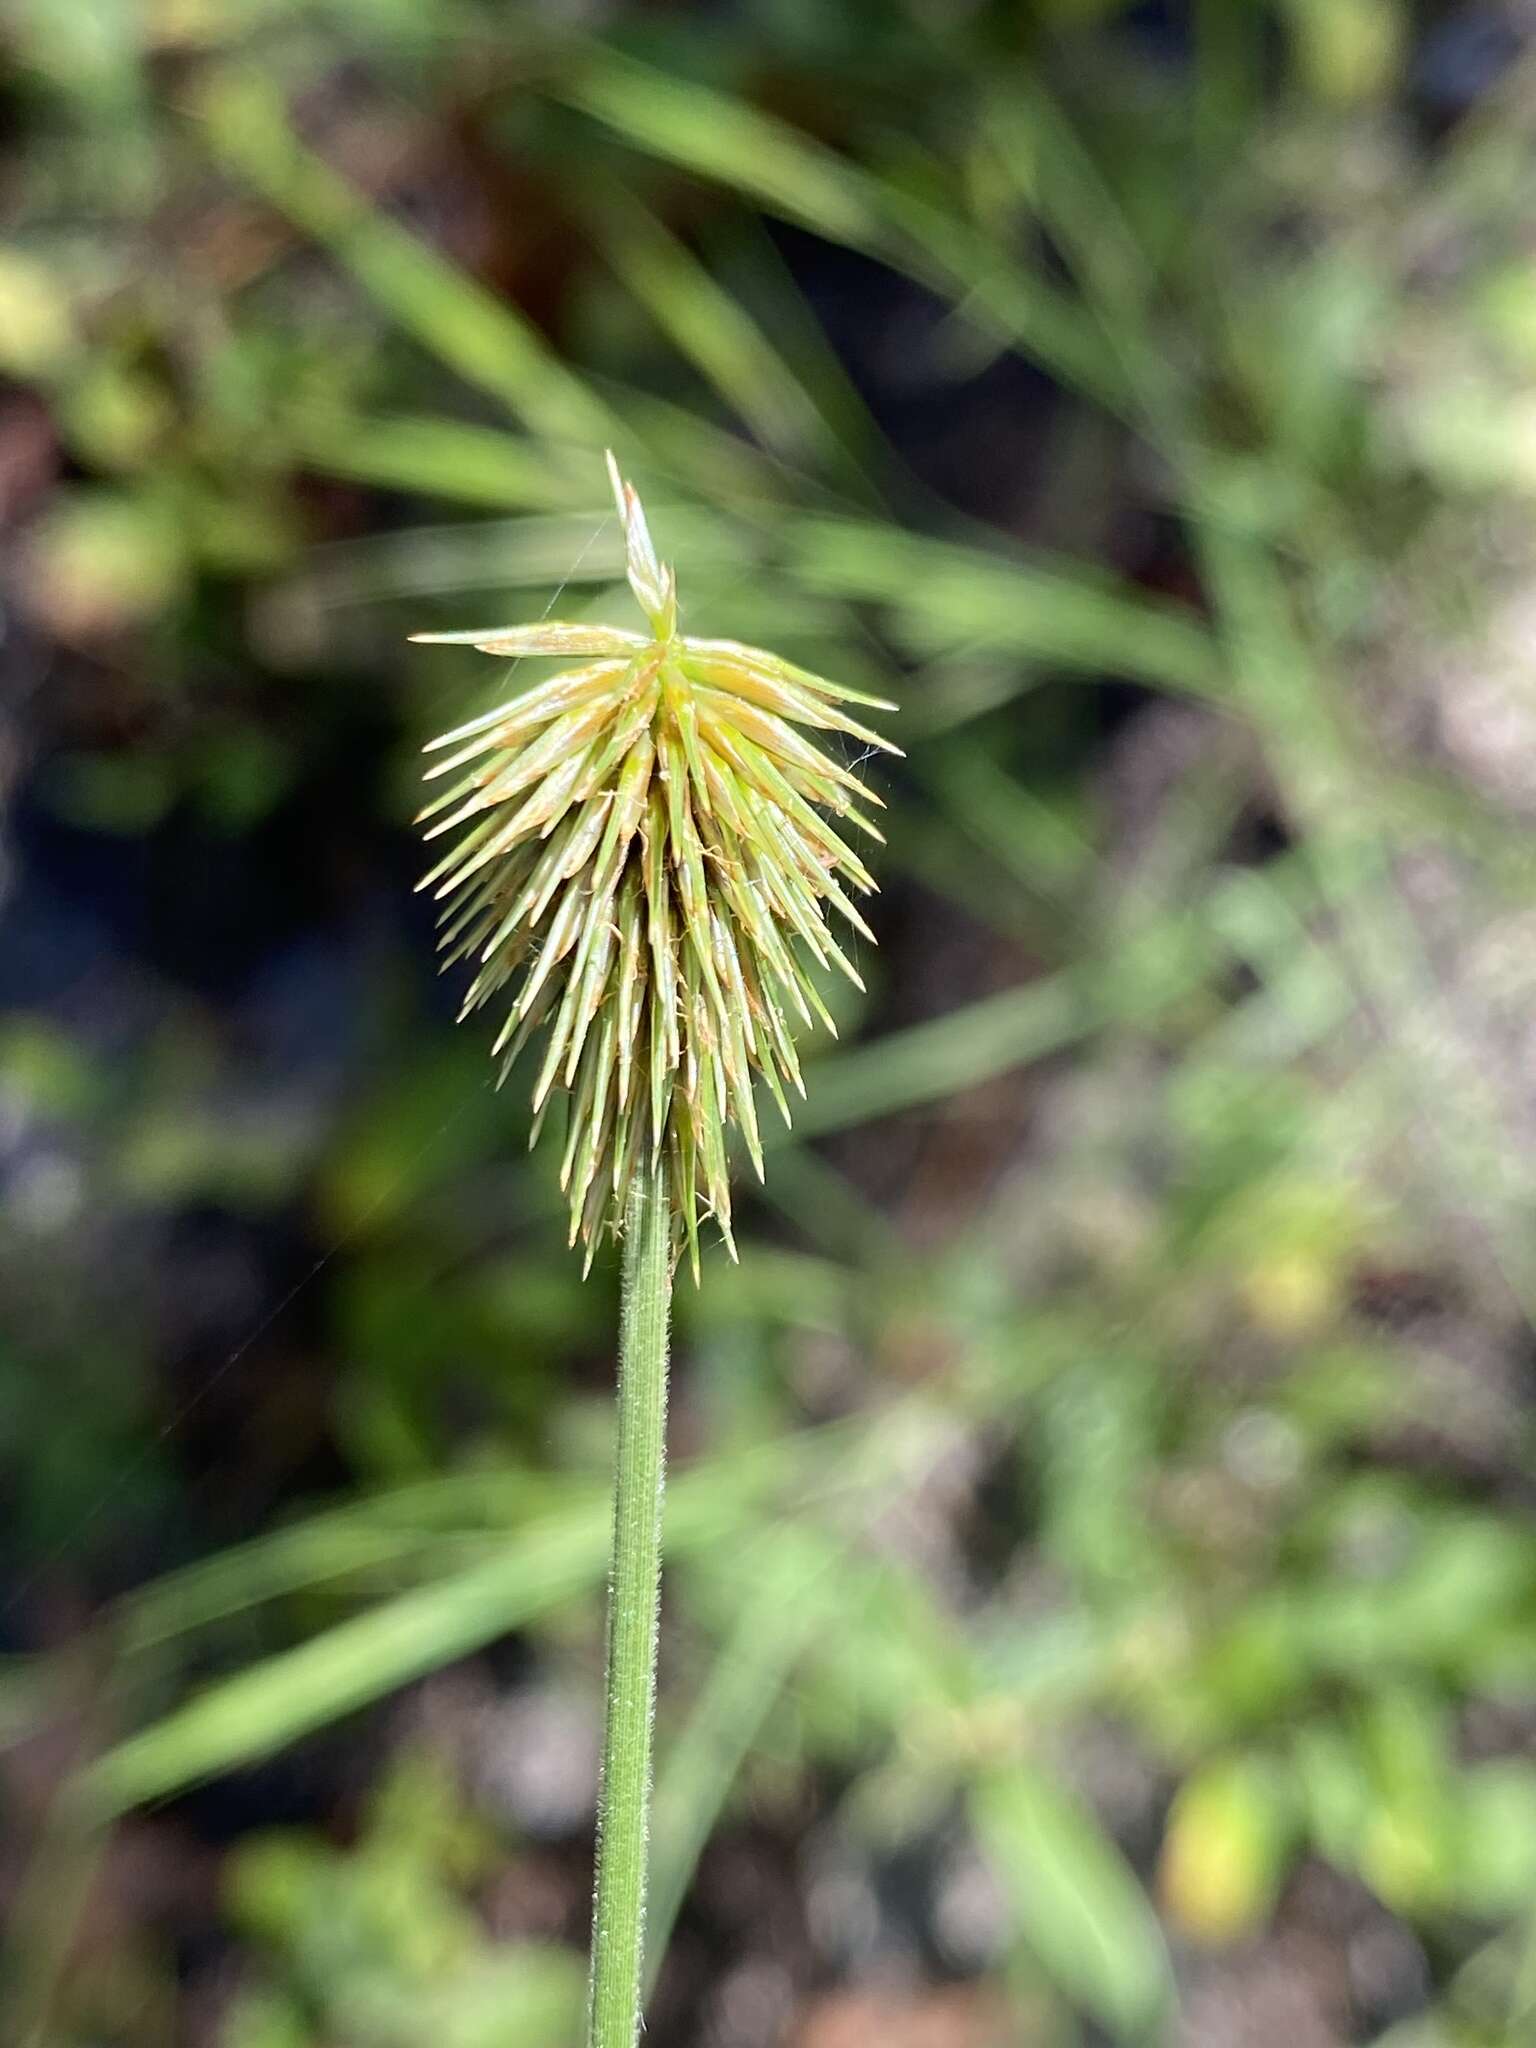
618,1926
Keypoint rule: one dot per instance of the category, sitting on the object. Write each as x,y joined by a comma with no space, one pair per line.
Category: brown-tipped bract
648,849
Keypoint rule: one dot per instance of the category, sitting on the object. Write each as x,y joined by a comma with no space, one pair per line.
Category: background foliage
1103,1580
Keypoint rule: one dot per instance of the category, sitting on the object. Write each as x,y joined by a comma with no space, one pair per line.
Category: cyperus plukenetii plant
644,859
646,865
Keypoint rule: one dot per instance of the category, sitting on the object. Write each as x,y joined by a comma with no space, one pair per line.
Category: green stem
634,1596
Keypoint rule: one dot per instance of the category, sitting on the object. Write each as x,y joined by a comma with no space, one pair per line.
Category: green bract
644,860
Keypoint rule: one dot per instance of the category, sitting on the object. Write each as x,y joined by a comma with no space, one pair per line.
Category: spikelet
647,850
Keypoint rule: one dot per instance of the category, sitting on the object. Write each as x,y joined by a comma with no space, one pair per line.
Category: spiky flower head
645,861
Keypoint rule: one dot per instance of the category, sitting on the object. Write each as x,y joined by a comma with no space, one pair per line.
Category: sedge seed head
646,854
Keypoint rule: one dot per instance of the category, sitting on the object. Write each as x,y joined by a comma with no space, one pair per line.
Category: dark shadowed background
1102,1598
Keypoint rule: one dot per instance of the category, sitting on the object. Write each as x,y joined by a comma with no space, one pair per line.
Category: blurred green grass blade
710,328
57,1881
721,138
927,1062
707,458
794,1595
487,342
790,174
948,596
1484,167
1047,166
398,1529
286,1696
574,551
297,1560
1041,154
943,859
441,458
1145,972
786,313
1229,75
31,1694
1077,1906
1038,842
822,1206
1301,997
